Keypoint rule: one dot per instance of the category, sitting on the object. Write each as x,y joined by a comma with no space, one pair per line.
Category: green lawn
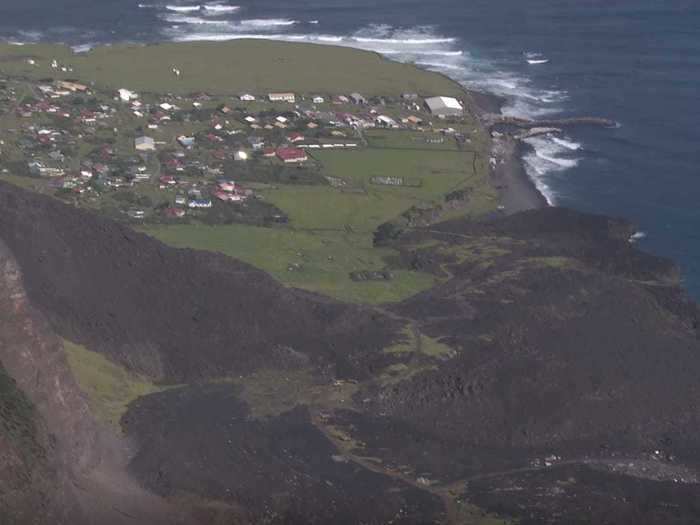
259,66
403,138
330,229
325,207
315,261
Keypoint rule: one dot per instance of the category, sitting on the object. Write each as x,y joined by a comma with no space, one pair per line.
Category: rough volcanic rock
580,495
175,315
202,440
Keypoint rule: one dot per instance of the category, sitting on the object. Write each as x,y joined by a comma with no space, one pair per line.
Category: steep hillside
57,466
175,315
551,375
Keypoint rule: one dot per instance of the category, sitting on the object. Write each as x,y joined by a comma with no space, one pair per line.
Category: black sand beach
516,190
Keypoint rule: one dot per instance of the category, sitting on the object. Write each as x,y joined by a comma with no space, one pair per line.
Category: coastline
516,190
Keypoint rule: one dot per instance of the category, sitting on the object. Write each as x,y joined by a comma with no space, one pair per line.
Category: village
144,157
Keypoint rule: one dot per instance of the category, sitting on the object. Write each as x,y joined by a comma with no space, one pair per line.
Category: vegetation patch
272,392
230,68
317,261
109,387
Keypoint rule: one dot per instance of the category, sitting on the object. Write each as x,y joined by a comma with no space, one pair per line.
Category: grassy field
259,66
109,387
325,207
315,261
410,140
330,230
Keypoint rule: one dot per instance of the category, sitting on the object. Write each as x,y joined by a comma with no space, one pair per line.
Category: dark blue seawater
636,61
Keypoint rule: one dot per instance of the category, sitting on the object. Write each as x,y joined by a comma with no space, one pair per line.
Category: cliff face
57,465
48,434
33,355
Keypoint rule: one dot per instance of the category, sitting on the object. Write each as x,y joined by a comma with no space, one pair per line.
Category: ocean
635,61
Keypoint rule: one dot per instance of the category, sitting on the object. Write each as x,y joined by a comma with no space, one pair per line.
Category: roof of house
291,153
440,103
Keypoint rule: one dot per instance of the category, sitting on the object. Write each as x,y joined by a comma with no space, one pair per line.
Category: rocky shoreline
517,191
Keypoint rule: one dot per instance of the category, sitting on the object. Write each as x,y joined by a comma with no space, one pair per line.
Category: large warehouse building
444,106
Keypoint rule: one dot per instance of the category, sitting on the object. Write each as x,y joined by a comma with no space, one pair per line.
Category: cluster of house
59,119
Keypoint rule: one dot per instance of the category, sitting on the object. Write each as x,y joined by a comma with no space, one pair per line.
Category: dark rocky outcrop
280,470
174,315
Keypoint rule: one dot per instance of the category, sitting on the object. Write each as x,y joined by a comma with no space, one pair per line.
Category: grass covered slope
313,260
258,66
109,387
330,229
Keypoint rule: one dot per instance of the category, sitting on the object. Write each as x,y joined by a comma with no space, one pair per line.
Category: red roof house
290,155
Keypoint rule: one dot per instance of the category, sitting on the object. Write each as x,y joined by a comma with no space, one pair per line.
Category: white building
444,106
199,203
144,144
246,97
282,97
386,122
125,95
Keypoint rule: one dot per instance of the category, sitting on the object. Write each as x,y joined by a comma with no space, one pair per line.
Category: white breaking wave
420,52
30,36
220,26
194,20
637,236
439,65
271,22
550,156
222,37
326,38
570,145
219,8
182,8
563,163
427,48
82,48
409,41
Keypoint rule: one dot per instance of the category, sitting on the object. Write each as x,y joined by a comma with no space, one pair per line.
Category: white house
125,95
318,100
246,97
200,203
282,97
386,122
144,144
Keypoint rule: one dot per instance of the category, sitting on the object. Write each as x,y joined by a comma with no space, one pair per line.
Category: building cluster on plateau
190,151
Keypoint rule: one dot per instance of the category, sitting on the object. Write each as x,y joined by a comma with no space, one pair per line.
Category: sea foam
219,8
182,8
